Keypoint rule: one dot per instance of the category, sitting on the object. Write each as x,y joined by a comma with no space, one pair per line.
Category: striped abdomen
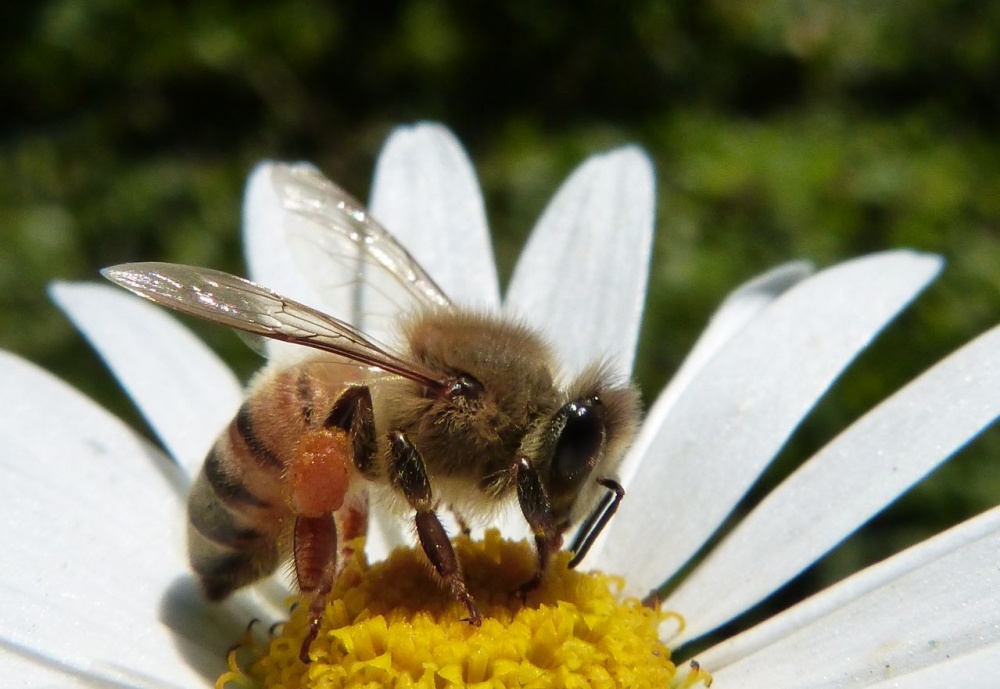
242,507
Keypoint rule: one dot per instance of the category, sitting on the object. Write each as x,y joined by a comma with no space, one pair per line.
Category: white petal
269,257
93,518
845,484
581,279
936,601
181,387
272,263
975,669
27,668
426,193
738,412
385,533
739,308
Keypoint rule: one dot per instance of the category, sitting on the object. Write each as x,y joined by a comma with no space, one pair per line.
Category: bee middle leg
463,523
409,476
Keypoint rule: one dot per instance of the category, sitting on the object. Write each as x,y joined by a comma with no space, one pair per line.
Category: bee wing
325,223
246,306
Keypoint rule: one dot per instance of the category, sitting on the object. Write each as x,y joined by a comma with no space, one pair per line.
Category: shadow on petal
173,475
34,668
205,632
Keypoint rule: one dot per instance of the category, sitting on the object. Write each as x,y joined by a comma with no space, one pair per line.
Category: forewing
325,224
246,306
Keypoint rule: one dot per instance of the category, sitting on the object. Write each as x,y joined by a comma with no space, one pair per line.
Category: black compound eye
464,385
580,442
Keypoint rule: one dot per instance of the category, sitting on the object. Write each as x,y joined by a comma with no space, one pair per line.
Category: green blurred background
779,129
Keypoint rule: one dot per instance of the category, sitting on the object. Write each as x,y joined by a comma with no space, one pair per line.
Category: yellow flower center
391,625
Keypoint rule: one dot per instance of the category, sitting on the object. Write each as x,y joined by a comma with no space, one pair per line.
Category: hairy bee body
470,411
244,502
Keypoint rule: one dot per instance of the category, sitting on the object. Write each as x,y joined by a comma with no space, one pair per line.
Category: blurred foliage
780,130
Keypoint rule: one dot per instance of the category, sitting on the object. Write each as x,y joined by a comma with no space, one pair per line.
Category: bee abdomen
215,521
229,490
222,574
244,428
227,546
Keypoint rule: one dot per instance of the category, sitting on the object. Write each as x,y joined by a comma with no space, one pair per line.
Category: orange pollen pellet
320,473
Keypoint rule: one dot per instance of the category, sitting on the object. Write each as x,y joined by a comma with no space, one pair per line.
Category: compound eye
580,442
463,386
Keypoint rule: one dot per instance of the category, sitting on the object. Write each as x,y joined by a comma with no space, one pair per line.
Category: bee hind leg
409,476
315,559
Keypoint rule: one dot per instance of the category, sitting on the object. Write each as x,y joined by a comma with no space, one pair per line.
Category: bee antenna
595,522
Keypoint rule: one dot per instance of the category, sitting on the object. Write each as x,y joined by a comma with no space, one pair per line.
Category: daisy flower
96,590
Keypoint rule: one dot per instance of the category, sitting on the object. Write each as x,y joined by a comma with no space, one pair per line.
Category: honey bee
464,415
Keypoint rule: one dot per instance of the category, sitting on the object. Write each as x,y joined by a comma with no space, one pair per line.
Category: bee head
584,440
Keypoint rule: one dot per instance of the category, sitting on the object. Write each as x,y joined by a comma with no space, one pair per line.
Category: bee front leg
408,474
537,512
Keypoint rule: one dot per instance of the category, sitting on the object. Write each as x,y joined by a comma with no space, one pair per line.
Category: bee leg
409,476
596,520
463,523
352,523
537,512
315,558
353,413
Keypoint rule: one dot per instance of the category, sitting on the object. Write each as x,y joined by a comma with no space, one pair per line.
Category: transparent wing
325,223
246,306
